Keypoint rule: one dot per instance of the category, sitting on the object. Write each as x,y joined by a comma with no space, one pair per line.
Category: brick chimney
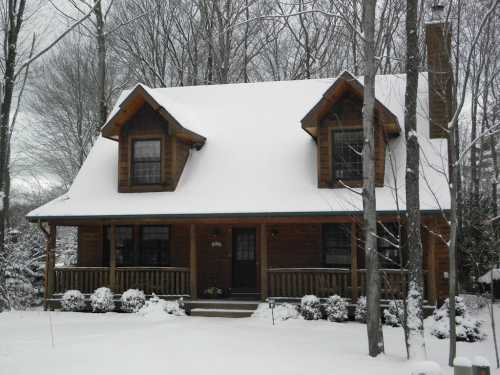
438,41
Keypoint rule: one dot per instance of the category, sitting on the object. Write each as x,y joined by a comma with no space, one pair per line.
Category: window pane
346,154
148,150
245,245
154,245
147,172
388,245
337,245
124,246
146,163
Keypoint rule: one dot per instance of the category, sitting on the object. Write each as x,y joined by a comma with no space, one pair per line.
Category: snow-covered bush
174,308
310,307
474,302
394,314
73,300
468,328
336,309
282,311
102,300
360,313
132,300
156,308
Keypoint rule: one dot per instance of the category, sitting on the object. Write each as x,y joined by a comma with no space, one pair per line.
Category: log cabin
254,189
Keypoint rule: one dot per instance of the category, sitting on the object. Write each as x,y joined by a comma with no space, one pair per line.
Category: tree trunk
374,326
14,22
101,65
414,317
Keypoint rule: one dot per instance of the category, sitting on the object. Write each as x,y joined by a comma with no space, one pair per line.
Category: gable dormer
153,145
336,124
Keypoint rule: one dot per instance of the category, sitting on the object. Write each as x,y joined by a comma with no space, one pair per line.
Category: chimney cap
437,11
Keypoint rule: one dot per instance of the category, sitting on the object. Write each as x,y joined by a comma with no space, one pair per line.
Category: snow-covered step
221,313
221,304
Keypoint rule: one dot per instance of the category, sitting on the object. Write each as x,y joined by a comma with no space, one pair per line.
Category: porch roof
257,159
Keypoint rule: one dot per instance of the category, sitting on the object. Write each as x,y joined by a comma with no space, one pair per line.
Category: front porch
282,282
278,259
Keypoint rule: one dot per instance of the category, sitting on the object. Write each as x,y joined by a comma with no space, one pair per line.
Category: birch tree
414,311
374,324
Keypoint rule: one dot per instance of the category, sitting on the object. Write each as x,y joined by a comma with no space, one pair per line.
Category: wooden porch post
263,263
50,261
112,259
193,274
354,262
431,266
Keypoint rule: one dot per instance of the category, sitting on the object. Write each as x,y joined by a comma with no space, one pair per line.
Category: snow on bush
310,307
282,311
394,314
174,308
102,300
73,300
360,312
132,300
468,328
473,302
156,308
336,309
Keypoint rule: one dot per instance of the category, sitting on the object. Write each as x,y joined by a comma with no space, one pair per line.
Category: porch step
221,304
222,313
221,308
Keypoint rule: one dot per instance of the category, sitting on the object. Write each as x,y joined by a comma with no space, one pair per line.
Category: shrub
282,311
174,308
336,309
468,328
73,300
102,300
360,313
132,300
394,314
310,307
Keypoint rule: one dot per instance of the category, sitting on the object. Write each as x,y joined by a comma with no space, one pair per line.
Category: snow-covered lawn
113,343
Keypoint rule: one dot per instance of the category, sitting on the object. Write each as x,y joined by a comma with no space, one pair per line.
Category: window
124,246
347,146
337,245
387,244
146,162
154,245
244,242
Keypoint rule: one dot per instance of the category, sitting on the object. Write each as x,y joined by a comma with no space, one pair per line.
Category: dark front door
244,258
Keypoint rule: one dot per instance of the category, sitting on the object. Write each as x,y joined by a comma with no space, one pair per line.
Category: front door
244,258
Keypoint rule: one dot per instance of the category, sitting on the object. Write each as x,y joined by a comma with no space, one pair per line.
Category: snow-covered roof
257,159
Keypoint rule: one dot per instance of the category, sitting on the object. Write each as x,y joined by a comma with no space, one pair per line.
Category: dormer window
347,148
146,161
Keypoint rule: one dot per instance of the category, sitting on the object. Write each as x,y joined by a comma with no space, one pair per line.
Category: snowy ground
122,344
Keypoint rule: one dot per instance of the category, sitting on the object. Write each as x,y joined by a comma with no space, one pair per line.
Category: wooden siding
90,242
346,113
294,245
148,124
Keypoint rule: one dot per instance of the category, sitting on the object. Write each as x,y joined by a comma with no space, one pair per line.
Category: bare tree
414,311
374,323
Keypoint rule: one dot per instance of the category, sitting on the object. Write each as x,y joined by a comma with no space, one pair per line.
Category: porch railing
297,282
159,280
323,282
